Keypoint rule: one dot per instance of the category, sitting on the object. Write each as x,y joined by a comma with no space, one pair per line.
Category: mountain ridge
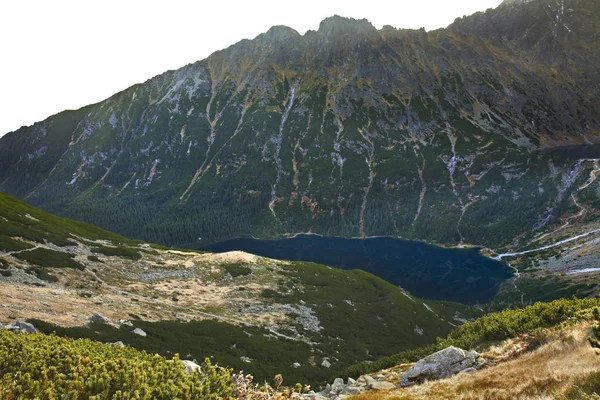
378,132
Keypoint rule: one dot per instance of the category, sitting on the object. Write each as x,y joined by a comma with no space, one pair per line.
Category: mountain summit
346,131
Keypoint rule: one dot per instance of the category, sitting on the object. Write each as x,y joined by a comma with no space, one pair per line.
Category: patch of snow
582,271
32,218
113,120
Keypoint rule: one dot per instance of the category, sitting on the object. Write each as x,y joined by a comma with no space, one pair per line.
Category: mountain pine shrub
49,367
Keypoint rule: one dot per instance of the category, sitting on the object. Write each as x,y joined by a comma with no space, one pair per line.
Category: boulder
326,364
325,392
138,331
118,344
369,380
337,386
189,366
296,365
351,391
442,364
22,327
314,396
98,319
382,385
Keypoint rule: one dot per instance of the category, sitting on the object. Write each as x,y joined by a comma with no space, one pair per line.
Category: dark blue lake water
427,271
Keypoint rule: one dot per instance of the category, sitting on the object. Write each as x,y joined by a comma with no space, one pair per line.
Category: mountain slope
347,131
234,306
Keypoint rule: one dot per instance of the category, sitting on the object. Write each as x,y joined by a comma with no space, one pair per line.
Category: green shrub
10,244
94,259
118,251
49,258
236,270
43,274
49,367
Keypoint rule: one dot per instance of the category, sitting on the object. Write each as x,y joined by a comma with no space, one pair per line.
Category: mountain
345,131
245,311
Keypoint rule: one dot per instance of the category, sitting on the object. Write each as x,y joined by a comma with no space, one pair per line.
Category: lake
424,270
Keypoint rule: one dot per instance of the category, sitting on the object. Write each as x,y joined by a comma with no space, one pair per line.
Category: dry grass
544,373
166,297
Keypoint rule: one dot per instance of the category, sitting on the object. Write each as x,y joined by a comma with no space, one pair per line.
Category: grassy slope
41,226
491,329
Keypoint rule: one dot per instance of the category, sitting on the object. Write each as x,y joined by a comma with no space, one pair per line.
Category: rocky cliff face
348,131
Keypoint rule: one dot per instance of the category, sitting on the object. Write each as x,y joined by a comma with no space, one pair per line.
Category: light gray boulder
189,366
351,391
382,385
139,332
22,327
337,386
442,364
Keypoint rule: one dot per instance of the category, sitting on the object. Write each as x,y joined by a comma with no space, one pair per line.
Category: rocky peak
280,33
339,30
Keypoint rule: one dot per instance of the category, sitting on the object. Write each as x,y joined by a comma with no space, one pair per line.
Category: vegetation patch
50,259
236,269
224,343
48,367
10,244
43,274
119,251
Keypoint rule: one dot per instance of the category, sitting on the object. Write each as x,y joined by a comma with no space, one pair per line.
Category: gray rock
98,319
119,344
246,359
325,392
352,390
439,365
189,366
369,380
337,386
296,365
314,396
382,385
138,331
326,364
351,381
22,327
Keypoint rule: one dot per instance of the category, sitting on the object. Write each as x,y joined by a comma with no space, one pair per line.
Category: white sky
65,54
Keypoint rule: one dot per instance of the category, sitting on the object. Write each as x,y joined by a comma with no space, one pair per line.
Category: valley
243,310
337,207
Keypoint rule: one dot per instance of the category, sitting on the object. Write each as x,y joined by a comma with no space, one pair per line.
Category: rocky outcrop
338,390
442,364
98,319
21,326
